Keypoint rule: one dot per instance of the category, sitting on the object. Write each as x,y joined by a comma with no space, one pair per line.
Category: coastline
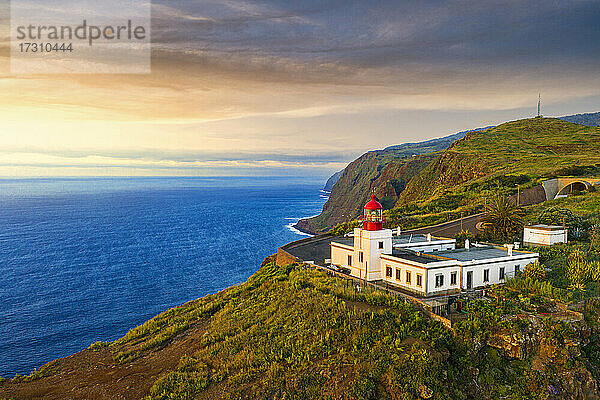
303,231
301,226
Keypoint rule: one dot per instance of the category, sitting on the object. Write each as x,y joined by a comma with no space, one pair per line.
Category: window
381,245
486,275
501,273
439,280
453,278
388,271
360,256
408,277
419,280
350,260
517,269
398,274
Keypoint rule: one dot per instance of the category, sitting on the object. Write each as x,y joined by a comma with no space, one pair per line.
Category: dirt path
94,375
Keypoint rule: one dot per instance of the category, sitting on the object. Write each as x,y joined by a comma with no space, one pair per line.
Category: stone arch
573,186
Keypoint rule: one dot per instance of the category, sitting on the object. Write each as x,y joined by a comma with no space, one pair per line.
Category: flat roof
463,255
546,227
415,238
405,239
479,253
422,258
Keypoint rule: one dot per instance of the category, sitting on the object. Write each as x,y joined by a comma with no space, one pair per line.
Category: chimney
399,232
467,244
429,237
510,249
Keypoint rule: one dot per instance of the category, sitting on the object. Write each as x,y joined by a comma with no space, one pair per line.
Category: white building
362,252
452,271
544,235
423,264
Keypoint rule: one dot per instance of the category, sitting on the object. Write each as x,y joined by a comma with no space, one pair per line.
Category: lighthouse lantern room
373,215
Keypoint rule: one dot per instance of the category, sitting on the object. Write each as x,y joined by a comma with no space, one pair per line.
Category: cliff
332,181
477,164
386,171
383,172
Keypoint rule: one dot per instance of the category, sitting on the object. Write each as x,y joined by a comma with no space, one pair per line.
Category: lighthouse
370,242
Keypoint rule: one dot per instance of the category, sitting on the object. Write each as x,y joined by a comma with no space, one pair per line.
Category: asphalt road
452,228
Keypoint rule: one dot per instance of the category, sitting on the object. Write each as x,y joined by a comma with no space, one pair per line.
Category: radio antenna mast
539,114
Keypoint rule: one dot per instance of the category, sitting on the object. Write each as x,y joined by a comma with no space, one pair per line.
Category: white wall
509,271
445,272
404,267
339,256
368,243
544,237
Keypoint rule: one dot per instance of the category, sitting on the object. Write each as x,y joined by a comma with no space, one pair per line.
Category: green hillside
295,333
459,179
385,172
531,149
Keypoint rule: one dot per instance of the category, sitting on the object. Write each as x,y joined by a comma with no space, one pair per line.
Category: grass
586,204
297,333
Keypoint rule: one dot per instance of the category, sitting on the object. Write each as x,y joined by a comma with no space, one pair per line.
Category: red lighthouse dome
373,215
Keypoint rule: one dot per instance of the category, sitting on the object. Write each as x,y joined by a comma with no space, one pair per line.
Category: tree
463,236
557,216
504,219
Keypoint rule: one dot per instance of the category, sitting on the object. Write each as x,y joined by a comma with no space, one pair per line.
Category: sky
299,88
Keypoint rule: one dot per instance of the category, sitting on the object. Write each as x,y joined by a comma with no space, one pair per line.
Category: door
469,280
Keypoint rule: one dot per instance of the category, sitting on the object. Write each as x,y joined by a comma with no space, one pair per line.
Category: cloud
273,81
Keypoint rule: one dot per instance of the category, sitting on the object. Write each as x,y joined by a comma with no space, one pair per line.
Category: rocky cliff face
332,181
554,350
382,172
513,153
387,171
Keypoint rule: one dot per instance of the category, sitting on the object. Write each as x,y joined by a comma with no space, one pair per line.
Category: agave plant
578,270
594,267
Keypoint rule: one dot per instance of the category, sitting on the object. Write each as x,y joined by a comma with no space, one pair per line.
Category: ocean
87,259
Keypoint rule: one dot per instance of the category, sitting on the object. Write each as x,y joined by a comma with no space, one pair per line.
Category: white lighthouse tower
370,242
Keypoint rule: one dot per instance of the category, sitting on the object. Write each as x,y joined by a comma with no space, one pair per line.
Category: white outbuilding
544,235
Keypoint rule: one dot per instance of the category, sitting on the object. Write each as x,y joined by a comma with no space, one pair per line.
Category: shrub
98,345
344,227
535,271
